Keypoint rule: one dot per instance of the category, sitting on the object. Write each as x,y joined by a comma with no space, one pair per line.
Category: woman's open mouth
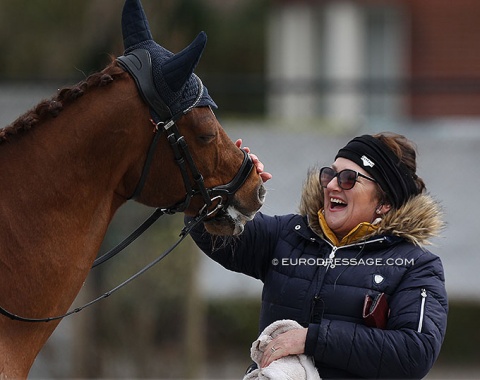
337,204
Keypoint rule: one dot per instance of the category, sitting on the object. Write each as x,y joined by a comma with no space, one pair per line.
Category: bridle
138,65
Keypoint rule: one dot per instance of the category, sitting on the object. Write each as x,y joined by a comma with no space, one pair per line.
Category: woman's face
345,209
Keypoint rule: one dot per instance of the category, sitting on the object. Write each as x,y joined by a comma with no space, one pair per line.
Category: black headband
383,165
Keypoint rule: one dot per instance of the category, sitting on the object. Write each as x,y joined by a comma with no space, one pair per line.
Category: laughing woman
351,267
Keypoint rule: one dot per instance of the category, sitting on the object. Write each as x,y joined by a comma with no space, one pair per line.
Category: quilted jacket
323,287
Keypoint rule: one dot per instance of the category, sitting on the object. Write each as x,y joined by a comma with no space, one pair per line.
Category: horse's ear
135,28
178,69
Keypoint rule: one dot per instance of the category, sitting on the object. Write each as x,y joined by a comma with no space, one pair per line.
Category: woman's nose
333,184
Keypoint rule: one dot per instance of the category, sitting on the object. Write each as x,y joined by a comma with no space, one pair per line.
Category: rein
185,232
138,65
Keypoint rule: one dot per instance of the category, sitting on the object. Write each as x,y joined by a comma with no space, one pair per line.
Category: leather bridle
138,65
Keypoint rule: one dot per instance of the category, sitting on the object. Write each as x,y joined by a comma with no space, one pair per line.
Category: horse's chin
230,222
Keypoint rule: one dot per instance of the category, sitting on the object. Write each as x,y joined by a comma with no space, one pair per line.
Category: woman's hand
265,176
291,342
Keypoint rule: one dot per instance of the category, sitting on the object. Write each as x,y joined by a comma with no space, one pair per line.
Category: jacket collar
356,234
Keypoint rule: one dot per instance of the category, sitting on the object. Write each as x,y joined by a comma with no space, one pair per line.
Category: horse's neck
76,158
60,186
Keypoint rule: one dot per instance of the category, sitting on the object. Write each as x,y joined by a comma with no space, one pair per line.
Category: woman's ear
382,209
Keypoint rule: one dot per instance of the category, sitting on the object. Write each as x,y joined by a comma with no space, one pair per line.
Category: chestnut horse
67,166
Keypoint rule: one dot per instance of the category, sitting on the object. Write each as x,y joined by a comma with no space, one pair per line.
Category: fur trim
417,221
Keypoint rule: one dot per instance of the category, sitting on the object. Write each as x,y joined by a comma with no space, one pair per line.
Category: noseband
138,64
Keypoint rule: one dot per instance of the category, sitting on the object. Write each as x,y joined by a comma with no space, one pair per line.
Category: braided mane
51,108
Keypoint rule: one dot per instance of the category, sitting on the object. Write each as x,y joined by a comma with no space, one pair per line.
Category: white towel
292,367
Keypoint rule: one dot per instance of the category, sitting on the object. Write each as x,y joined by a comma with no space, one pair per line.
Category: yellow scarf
361,230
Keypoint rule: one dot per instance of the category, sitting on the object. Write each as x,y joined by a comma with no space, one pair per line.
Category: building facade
347,60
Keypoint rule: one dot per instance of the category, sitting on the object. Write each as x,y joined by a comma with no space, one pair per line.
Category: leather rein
138,65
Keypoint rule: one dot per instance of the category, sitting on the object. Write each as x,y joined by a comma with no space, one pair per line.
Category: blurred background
296,80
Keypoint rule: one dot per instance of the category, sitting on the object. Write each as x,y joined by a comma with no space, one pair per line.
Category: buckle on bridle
206,213
164,125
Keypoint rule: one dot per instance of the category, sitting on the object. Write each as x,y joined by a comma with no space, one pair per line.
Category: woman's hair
406,152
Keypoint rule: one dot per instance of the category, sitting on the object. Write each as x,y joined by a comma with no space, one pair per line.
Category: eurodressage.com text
343,261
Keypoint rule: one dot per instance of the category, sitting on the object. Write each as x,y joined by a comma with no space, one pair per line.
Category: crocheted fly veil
172,73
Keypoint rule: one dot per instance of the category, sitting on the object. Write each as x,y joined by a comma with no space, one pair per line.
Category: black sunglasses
346,178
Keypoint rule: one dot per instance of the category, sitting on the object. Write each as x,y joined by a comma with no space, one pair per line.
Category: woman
351,267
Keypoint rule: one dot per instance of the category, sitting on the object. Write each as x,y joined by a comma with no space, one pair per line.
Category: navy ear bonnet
172,73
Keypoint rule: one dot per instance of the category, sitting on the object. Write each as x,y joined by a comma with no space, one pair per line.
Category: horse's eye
206,138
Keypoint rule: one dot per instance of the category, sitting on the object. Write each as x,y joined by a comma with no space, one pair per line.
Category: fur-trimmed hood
417,221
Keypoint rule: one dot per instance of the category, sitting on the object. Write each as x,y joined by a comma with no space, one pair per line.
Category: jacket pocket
423,295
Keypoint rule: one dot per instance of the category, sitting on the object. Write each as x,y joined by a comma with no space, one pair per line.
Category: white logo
367,162
378,278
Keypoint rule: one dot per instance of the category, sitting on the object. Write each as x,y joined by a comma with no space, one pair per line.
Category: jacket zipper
423,294
331,256
335,248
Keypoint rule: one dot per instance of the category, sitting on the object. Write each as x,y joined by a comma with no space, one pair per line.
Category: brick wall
445,57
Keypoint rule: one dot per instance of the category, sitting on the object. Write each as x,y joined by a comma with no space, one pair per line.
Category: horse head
217,175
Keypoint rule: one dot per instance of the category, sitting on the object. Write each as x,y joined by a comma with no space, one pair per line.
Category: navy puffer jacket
323,287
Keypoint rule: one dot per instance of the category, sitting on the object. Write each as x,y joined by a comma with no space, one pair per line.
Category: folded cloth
292,367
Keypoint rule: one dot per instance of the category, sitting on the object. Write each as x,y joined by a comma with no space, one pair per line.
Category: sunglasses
346,178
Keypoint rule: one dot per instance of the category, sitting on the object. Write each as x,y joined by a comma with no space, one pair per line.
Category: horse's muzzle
231,220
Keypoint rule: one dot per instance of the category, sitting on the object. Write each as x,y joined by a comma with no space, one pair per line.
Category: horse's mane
52,107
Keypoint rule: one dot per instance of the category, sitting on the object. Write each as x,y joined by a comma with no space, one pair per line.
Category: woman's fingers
265,176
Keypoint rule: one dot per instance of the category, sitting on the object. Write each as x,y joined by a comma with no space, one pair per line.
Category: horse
70,162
